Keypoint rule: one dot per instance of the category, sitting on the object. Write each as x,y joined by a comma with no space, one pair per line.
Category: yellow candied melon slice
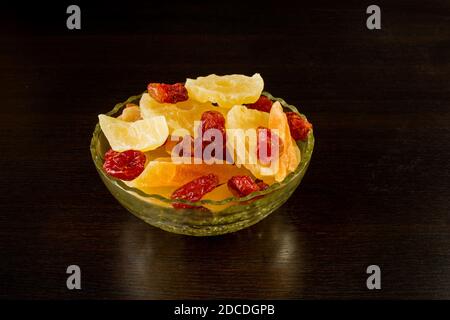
240,117
227,90
162,172
241,124
143,135
179,116
290,156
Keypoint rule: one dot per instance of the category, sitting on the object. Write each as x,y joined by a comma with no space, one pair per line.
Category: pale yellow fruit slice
227,91
143,135
241,127
240,117
179,116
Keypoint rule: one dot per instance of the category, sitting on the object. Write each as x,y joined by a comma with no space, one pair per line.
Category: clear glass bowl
238,213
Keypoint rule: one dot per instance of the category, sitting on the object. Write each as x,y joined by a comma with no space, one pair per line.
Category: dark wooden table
377,190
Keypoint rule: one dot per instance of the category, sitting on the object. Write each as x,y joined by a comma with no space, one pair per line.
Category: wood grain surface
377,190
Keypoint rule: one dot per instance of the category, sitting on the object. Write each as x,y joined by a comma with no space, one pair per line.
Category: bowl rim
301,168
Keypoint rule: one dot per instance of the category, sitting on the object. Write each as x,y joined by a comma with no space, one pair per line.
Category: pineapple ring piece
226,91
142,135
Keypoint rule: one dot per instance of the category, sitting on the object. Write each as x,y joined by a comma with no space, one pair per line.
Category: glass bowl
233,213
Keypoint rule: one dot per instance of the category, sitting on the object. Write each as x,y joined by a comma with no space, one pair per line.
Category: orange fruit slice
162,172
290,157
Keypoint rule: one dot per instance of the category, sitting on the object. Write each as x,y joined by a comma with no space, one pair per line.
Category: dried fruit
227,90
179,116
290,157
131,113
298,126
261,184
242,186
193,191
167,93
125,165
245,121
262,104
241,117
143,135
267,141
213,120
162,172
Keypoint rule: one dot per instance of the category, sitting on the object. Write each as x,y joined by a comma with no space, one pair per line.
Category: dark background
376,192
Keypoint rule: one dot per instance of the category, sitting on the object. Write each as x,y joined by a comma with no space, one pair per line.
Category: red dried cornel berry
125,165
213,120
167,93
241,186
271,140
261,184
193,191
298,126
262,104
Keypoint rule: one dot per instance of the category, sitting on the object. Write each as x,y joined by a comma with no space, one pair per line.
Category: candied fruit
162,172
262,104
194,190
241,186
266,142
290,157
143,135
125,165
226,91
298,126
167,93
213,120
179,116
130,113
261,184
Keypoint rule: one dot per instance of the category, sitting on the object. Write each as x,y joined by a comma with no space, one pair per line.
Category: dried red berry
298,126
265,137
194,190
262,104
213,120
167,93
125,165
241,186
261,184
